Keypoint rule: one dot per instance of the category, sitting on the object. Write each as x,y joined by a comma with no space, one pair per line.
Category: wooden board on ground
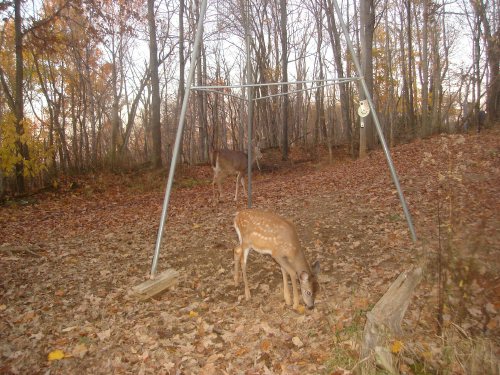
154,286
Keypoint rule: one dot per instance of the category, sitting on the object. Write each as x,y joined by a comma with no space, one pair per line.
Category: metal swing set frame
159,282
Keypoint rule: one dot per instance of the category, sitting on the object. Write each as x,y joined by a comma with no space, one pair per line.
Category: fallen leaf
168,366
103,335
301,309
214,357
490,309
265,345
208,369
297,342
475,312
396,346
241,351
341,371
37,336
266,328
30,315
79,351
68,329
56,355
493,323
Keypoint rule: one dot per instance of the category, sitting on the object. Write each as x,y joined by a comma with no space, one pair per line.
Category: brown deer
268,233
230,162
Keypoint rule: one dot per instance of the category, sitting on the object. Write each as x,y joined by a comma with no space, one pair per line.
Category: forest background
97,85
89,107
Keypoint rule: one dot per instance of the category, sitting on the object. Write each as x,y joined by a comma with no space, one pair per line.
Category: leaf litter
70,260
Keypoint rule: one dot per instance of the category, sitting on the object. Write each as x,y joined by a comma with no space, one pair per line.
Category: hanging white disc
364,108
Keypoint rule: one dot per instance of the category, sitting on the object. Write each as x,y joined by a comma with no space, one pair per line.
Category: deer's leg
238,252
219,183
242,180
237,185
214,193
285,265
286,290
295,290
244,270
218,177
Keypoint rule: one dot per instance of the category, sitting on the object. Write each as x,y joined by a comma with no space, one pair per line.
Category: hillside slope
69,261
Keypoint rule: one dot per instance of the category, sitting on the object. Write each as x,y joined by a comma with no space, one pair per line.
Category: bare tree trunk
55,106
405,63
411,77
367,27
337,53
132,112
115,117
284,87
182,64
391,99
155,87
425,71
22,148
217,110
320,127
436,81
202,118
477,72
92,108
74,124
492,40
319,123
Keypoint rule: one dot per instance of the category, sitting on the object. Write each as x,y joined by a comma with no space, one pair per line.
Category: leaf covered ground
70,258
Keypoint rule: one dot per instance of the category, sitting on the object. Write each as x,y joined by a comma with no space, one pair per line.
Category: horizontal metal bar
336,82
221,93
295,91
339,80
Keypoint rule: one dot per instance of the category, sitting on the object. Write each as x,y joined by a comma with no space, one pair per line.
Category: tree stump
384,320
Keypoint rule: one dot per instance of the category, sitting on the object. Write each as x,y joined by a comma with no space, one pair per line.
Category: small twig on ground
360,362
11,250
461,330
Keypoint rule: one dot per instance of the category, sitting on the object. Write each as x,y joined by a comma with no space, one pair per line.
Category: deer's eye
308,292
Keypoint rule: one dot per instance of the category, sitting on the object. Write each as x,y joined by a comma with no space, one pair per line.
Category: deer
230,162
267,233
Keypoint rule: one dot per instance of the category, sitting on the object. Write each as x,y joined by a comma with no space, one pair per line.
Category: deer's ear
316,267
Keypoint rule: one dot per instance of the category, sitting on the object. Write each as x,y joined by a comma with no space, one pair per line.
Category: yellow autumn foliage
39,155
